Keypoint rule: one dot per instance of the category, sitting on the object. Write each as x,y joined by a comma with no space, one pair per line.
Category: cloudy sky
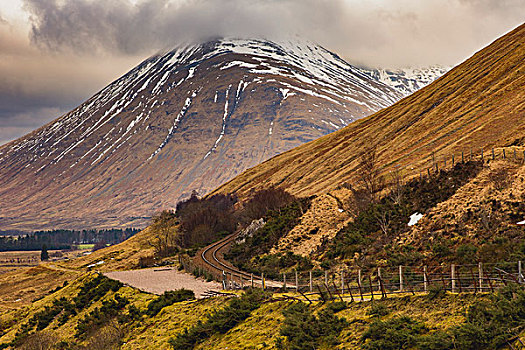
54,54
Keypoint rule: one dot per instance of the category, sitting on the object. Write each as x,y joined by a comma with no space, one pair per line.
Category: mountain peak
187,119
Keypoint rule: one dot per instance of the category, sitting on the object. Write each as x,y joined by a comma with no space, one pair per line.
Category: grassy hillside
96,313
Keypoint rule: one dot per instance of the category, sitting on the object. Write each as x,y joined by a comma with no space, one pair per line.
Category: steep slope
189,119
479,104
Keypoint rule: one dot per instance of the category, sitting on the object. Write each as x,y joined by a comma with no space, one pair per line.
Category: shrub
394,334
278,223
167,299
466,254
221,321
304,330
378,309
436,292
100,316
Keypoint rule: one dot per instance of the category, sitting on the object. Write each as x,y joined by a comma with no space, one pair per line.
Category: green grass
85,246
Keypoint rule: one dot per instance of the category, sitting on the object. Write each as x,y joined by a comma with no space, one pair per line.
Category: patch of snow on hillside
414,219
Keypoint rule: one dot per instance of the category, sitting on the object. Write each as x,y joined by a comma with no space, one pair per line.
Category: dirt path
159,280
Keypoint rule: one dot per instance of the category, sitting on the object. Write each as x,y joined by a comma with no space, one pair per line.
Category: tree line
64,239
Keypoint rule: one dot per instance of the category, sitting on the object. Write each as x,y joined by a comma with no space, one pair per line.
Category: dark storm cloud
75,47
387,33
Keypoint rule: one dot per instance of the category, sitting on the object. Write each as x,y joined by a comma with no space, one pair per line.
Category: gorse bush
168,298
237,310
306,331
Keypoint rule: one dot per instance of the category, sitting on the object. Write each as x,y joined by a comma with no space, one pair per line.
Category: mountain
184,120
408,80
479,104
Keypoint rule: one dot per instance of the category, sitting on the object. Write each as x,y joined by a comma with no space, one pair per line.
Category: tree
369,172
165,233
44,255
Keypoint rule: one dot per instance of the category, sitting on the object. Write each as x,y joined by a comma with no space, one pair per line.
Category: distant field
16,259
85,246
20,257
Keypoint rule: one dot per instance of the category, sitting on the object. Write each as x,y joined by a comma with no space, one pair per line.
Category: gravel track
160,280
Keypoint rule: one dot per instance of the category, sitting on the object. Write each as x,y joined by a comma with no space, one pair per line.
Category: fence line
362,284
436,163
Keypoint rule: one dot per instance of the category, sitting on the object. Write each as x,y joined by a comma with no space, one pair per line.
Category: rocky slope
188,119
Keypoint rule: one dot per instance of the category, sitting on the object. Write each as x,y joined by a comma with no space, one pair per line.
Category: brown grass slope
479,104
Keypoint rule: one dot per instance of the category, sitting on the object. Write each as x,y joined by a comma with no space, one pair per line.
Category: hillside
478,104
185,120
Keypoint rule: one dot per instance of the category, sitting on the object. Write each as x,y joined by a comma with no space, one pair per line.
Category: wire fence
362,284
442,161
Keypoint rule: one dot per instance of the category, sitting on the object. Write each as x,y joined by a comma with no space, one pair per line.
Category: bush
221,321
489,324
167,299
304,331
436,292
378,309
394,334
278,223
100,316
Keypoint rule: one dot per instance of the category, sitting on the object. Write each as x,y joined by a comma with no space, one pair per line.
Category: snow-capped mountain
187,119
408,80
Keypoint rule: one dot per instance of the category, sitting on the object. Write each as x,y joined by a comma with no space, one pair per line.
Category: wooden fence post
262,281
359,285
379,279
400,278
520,275
251,279
326,277
284,281
504,155
453,277
296,280
480,276
311,285
224,284
342,281
452,160
425,279
350,291
371,288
